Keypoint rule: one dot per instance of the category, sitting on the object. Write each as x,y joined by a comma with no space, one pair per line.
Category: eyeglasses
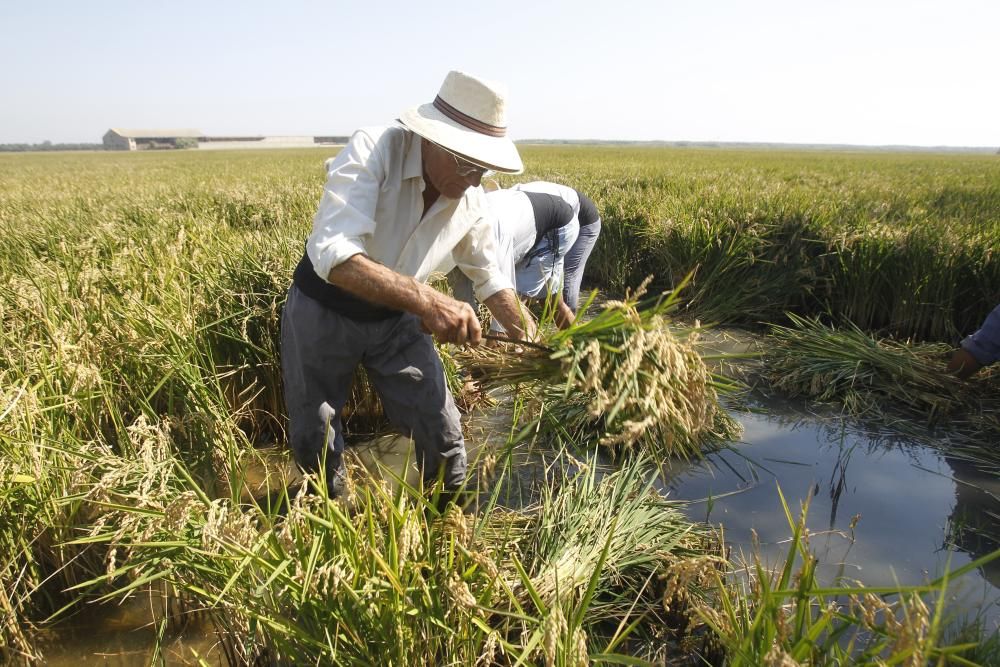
465,169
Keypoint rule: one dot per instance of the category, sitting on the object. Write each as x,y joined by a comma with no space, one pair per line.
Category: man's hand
963,364
450,321
564,314
512,315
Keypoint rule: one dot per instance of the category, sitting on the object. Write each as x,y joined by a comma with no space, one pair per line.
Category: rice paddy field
798,485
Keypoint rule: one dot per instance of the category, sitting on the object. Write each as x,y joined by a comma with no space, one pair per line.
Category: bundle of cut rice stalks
603,551
871,377
627,378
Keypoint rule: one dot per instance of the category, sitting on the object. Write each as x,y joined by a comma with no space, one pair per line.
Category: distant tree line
49,146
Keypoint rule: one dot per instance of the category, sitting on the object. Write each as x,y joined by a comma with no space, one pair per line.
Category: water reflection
975,518
885,509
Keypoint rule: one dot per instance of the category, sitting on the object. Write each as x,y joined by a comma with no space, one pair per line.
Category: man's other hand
513,316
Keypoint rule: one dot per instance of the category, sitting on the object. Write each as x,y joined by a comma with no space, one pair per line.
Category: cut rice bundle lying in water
626,378
870,376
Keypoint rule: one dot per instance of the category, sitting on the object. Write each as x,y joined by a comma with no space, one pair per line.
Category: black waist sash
336,299
551,212
551,215
588,210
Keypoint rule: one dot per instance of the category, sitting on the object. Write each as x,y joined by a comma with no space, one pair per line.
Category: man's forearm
449,320
379,284
512,316
564,315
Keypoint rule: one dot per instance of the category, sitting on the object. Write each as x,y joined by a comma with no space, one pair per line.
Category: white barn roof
156,134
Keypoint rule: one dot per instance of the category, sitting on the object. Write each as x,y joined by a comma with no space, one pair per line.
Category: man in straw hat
397,201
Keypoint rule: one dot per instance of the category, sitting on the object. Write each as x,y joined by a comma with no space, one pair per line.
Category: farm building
228,143
132,140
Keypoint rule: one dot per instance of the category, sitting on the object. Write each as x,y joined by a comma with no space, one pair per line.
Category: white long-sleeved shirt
516,221
372,205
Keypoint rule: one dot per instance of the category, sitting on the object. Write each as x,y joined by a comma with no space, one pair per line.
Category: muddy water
126,635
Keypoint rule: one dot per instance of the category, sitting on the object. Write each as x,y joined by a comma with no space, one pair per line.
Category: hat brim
497,153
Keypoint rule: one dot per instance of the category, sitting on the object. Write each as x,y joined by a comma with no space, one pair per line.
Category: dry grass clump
628,379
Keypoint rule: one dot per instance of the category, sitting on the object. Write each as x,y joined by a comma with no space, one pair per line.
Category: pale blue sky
864,72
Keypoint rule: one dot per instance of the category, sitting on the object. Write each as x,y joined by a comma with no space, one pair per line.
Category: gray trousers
575,261
320,350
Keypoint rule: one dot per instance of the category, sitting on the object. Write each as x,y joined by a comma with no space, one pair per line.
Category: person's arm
449,320
564,314
342,229
512,316
980,349
345,221
490,267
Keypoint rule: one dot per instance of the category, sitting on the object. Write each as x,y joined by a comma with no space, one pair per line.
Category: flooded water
883,510
125,635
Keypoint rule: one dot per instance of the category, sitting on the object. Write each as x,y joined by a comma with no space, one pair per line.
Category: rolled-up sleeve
345,220
984,345
476,255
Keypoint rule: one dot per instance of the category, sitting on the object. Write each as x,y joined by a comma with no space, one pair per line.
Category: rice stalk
387,578
619,518
787,616
873,377
627,379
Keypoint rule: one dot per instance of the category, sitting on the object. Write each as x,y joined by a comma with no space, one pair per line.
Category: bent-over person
533,231
589,223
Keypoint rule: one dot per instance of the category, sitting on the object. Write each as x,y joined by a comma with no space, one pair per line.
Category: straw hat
467,117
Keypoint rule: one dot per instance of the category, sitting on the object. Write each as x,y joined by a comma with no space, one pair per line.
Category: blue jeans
575,262
984,345
542,271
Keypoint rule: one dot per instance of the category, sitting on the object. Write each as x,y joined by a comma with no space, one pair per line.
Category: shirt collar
413,165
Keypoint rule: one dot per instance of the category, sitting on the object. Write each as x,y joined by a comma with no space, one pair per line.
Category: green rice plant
617,519
89,348
388,578
626,378
145,289
15,571
981,643
743,268
786,616
900,243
